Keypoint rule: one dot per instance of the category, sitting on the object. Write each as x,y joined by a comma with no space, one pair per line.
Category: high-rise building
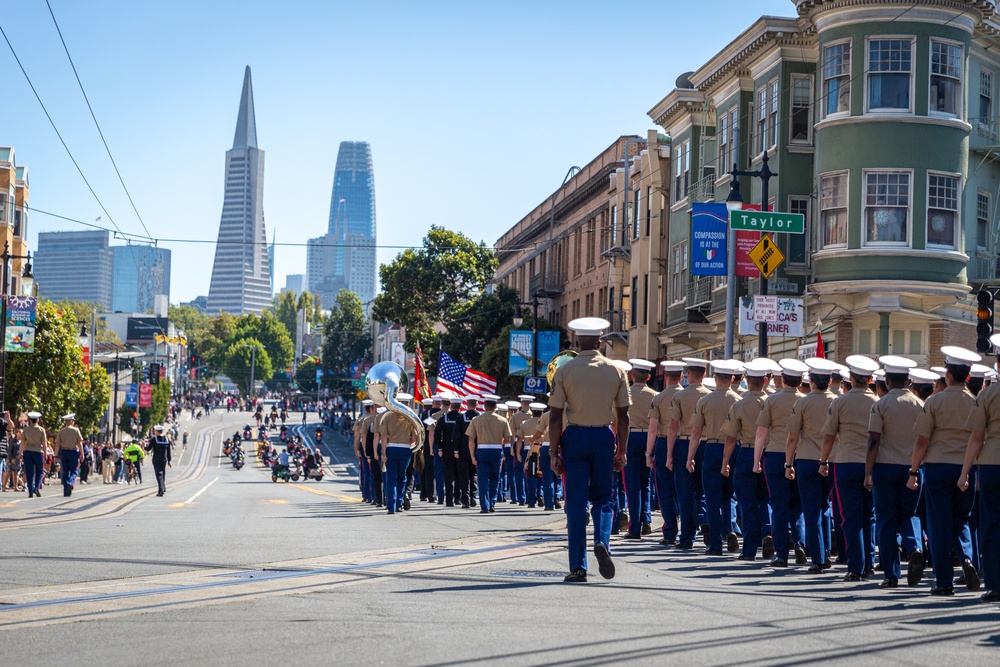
140,274
293,283
352,221
241,280
13,213
270,259
74,265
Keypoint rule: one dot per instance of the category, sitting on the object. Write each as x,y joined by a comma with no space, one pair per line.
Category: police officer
710,414
656,450
846,427
159,445
680,412
890,449
450,437
487,434
740,429
69,449
943,437
589,393
34,442
395,435
805,439
984,452
637,495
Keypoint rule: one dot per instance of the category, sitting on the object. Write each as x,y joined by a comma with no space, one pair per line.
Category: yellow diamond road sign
766,256
361,395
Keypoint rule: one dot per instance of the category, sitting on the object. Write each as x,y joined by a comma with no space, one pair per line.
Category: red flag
820,350
421,389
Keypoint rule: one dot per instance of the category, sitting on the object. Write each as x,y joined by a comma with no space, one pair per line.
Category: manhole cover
257,574
530,574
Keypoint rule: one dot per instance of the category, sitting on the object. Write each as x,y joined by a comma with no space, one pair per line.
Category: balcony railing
551,282
983,266
985,134
702,190
699,293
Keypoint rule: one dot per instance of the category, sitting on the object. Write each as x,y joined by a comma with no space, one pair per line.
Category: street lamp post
518,321
734,202
27,283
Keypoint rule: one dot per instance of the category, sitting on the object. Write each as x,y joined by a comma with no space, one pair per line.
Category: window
898,340
687,166
865,341
682,171
761,120
837,79
942,210
678,272
890,64
946,78
772,110
4,210
645,299
833,209
19,217
614,227
801,126
887,207
723,133
637,213
649,207
982,220
985,96
577,252
734,134
916,341
633,315
591,243
798,243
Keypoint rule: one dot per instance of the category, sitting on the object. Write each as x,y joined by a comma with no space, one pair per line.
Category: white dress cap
622,364
428,401
792,367
960,356
771,364
71,415
819,366
709,382
995,339
727,366
879,375
501,407
537,406
455,400
758,368
978,371
642,364
589,326
896,364
673,366
158,428
861,365
923,376
34,415
842,371
693,361
472,398
491,397
525,398
367,402
438,397
513,405
404,397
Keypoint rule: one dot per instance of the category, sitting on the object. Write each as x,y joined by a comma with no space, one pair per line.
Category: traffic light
154,373
984,316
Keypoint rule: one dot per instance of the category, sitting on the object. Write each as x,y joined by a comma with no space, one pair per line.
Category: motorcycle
319,435
292,472
227,446
314,473
238,459
247,433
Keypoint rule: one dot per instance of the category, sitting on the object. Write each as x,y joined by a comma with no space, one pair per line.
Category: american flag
462,380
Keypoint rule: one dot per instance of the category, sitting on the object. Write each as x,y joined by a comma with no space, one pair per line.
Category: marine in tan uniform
637,490
69,449
34,442
680,411
395,434
710,414
362,428
656,450
531,452
845,433
588,394
943,435
487,434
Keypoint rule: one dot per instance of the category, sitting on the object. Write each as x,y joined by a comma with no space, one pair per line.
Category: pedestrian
69,449
680,411
588,394
487,434
159,446
107,463
637,491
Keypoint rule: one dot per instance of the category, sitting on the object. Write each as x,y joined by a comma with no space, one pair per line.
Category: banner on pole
709,229
20,324
145,395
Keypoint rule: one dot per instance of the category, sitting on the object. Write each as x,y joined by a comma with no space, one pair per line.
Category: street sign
361,395
357,384
765,309
766,256
768,221
535,385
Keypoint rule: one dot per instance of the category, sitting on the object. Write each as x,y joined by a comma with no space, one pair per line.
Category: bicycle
132,472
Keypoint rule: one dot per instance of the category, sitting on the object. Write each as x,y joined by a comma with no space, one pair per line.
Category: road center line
203,490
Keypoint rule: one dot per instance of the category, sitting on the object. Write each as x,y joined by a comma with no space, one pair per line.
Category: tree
472,325
241,360
496,355
272,334
151,416
286,309
83,312
94,400
305,375
346,340
212,346
421,287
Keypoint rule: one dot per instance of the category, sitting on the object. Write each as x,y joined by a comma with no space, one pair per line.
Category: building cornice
981,10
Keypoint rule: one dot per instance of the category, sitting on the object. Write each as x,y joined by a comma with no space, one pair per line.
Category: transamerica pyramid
240,275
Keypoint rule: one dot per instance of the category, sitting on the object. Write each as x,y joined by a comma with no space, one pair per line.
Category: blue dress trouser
989,524
751,494
549,478
948,511
517,481
637,483
439,478
857,513
895,507
69,464
365,472
666,494
488,465
397,459
814,489
33,470
718,494
588,460
687,505
505,460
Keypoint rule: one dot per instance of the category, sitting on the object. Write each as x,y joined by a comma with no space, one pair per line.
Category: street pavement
229,567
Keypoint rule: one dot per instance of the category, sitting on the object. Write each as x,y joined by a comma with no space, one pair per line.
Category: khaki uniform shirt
807,419
489,428
543,426
526,431
774,415
741,422
658,409
516,420
396,428
710,413
893,417
985,417
68,438
589,388
33,439
943,422
682,406
638,413
848,417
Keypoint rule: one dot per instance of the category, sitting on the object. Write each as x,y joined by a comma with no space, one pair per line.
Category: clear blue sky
474,110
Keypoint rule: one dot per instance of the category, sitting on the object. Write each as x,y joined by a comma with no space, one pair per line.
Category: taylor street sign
768,221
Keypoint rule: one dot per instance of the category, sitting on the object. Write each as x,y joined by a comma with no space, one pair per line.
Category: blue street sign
319,375
132,396
535,385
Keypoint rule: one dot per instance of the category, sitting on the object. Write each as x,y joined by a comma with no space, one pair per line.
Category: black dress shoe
767,549
972,580
630,536
484,511
605,565
685,546
827,562
465,506
406,503
492,510
732,542
746,557
990,596
646,529
616,530
778,562
868,573
800,555
710,552
938,590
704,534
915,568
576,576
889,583
850,576
667,543
814,569
557,505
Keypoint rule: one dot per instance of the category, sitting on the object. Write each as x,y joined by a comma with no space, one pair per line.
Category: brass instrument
383,382
556,362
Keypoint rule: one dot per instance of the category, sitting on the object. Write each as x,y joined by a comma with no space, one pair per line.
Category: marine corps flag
421,389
